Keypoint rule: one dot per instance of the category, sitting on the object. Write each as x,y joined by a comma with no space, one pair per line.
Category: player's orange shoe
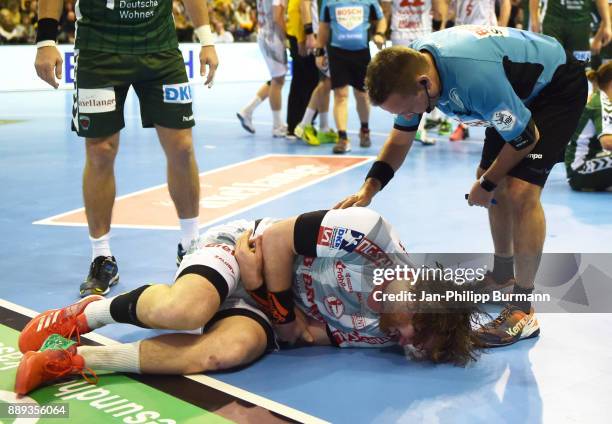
67,322
57,358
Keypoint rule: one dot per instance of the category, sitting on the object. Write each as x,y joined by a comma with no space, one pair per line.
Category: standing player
348,51
410,20
485,76
569,21
122,44
271,39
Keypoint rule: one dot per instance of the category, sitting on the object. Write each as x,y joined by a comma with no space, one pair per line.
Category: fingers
45,73
58,68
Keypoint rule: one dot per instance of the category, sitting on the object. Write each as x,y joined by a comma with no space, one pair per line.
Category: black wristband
48,29
487,185
308,29
382,171
318,52
281,307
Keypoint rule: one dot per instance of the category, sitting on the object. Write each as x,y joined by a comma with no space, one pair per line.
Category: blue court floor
563,376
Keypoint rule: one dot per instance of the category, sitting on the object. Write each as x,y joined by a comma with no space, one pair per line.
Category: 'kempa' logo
534,156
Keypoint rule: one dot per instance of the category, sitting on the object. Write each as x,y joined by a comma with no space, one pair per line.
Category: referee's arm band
382,171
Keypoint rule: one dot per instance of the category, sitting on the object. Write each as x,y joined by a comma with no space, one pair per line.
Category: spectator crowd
231,20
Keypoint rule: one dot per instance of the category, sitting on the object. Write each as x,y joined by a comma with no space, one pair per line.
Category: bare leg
99,183
231,342
276,87
324,95
188,304
183,179
363,105
501,219
529,230
341,107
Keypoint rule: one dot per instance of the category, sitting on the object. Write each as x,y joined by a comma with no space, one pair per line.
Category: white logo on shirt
349,17
454,96
503,120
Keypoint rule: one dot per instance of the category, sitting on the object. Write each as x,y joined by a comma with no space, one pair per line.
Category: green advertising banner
115,399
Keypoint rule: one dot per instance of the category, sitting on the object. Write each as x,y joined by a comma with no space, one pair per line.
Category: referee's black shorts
556,112
348,67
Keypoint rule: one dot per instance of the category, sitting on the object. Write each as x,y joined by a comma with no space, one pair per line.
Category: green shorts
573,36
102,81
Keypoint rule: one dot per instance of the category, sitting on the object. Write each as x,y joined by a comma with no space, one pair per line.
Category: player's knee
179,314
341,94
101,154
523,196
238,350
181,149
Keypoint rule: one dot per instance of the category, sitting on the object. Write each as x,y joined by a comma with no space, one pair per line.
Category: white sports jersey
410,19
336,286
475,12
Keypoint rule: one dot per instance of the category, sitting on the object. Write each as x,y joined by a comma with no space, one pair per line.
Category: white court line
49,220
253,398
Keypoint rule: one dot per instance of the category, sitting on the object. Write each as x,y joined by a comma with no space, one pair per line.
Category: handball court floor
563,376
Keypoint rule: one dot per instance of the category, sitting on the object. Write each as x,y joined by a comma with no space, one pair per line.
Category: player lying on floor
323,262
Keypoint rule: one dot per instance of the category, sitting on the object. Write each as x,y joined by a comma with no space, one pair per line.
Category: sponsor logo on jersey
373,253
308,261
359,321
349,17
503,120
177,93
355,337
476,123
339,238
343,277
96,100
187,118
334,306
84,121
480,31
454,96
313,309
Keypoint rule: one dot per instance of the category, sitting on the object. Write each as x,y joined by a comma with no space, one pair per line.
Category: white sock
120,357
100,246
323,122
98,313
189,231
308,115
250,108
276,117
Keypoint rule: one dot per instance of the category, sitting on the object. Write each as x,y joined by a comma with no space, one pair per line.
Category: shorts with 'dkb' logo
103,80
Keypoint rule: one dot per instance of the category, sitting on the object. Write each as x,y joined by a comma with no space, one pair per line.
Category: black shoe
103,274
180,254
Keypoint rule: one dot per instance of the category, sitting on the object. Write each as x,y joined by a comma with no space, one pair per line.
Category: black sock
123,307
524,306
364,126
503,268
342,135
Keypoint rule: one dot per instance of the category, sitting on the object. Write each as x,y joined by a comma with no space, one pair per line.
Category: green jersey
569,10
594,122
125,26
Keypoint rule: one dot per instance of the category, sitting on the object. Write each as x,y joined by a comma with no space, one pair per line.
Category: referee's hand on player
48,65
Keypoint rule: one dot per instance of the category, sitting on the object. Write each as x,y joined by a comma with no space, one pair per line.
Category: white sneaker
279,131
246,120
